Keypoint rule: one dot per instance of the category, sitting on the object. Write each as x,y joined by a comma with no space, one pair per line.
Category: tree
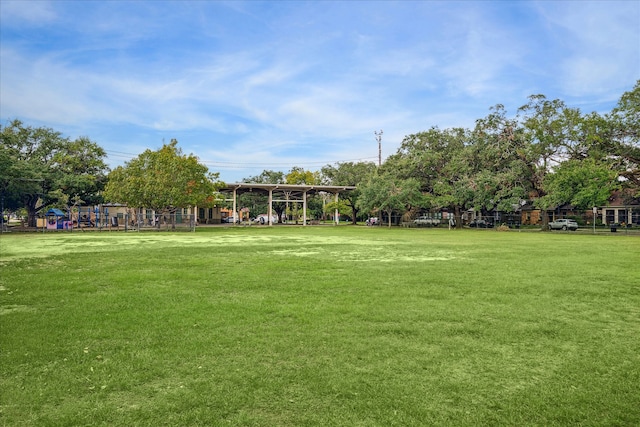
501,174
439,161
549,128
425,155
46,169
256,201
582,183
388,194
163,180
267,177
81,170
9,195
298,176
348,174
624,144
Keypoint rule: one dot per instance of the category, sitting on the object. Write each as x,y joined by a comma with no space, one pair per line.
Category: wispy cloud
599,45
35,13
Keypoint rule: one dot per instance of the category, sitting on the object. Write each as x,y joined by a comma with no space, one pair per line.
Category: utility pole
379,139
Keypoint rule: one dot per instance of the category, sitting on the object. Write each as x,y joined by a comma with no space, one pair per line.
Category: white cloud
31,12
600,45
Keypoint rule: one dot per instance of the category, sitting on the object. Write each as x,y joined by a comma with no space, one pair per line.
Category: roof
56,212
243,187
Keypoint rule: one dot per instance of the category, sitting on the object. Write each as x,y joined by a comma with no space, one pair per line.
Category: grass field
319,326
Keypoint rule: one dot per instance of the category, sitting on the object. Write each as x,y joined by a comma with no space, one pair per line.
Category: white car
264,219
425,220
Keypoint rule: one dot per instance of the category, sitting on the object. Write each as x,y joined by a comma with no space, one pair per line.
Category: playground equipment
58,220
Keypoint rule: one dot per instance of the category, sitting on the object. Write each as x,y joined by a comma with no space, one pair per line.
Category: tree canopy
384,193
40,168
163,180
349,174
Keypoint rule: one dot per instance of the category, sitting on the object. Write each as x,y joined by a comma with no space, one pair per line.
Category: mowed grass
319,326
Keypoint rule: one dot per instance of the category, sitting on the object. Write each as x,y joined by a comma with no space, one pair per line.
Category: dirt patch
9,309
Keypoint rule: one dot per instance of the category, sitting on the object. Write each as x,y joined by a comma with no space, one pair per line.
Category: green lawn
319,326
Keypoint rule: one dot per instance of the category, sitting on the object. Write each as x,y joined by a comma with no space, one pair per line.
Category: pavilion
284,193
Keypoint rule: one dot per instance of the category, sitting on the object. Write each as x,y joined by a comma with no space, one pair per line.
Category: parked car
480,223
425,220
264,219
563,224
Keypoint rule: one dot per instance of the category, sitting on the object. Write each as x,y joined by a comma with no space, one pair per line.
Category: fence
165,222
584,221
132,222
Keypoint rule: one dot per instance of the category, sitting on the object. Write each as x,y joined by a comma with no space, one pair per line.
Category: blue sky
249,86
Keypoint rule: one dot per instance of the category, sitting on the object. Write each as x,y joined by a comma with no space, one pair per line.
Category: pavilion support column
270,207
336,213
304,208
235,208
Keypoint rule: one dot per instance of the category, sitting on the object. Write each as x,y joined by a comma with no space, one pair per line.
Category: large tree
349,174
163,180
439,160
9,186
624,142
41,168
424,156
389,194
500,172
582,183
549,127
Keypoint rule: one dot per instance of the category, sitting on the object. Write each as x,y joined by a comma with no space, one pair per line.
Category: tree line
547,153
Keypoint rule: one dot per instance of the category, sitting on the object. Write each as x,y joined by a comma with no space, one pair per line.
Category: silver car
563,224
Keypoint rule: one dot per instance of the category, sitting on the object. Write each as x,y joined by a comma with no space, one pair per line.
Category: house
620,210
209,215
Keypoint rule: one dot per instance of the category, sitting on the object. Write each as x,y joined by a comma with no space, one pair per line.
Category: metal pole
379,139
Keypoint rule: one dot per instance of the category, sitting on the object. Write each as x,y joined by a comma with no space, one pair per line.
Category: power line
217,163
234,165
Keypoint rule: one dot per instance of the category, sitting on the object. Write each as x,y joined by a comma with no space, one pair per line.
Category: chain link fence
133,222
163,222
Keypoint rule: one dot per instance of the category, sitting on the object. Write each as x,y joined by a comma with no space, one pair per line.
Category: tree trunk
545,220
458,217
354,213
32,211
